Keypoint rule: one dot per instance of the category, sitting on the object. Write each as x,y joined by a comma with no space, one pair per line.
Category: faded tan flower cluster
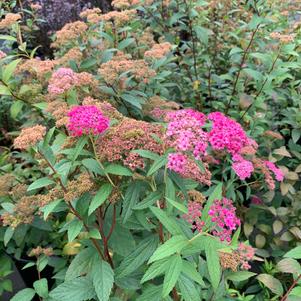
158,51
9,20
70,33
119,64
38,251
283,38
29,137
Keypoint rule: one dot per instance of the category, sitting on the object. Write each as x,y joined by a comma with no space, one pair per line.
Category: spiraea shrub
151,158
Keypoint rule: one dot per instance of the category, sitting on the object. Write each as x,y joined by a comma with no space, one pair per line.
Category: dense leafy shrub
130,176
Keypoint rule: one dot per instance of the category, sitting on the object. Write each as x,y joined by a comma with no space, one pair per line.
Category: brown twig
241,67
284,298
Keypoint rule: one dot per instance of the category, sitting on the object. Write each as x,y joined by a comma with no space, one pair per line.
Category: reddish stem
284,298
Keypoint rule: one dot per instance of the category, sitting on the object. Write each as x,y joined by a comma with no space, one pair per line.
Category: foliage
165,202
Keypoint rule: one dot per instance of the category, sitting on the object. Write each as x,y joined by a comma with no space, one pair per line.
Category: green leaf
7,38
9,70
177,205
157,165
50,207
4,90
9,207
146,154
93,166
272,283
41,287
79,289
125,43
26,294
79,147
16,108
81,264
171,246
130,199
240,275
103,279
102,194
166,221
138,257
156,269
289,265
212,257
9,232
149,200
215,195
188,289
294,253
190,270
296,291
43,182
118,170
74,228
172,274
132,100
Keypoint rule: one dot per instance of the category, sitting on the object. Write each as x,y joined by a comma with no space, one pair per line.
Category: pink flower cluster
85,120
187,168
246,254
226,134
61,81
193,216
242,167
223,214
277,171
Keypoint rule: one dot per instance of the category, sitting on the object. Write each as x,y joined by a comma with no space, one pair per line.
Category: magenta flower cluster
86,120
194,215
186,134
226,134
279,176
223,214
242,167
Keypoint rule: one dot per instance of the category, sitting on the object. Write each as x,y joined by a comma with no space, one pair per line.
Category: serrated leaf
16,108
188,289
79,289
171,246
190,270
130,199
138,257
80,144
74,228
9,232
50,207
172,274
160,162
101,196
212,257
146,154
272,283
156,269
93,166
41,287
149,200
81,264
9,70
26,294
240,275
166,221
177,205
43,182
103,279
118,170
